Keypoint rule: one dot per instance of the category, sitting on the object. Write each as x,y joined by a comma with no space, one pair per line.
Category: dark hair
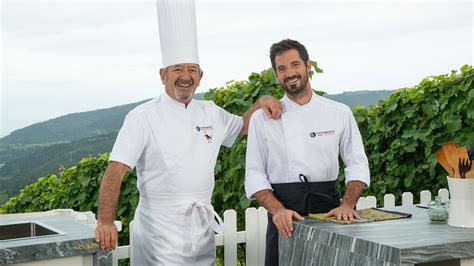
285,45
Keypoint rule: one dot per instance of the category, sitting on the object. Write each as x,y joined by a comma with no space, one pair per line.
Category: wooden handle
441,158
451,152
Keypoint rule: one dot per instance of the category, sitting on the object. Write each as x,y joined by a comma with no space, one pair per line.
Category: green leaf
84,180
453,125
407,182
316,68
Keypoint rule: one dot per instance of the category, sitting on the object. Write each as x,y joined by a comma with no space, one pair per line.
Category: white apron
175,229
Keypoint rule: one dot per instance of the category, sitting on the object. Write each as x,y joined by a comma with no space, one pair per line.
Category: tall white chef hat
178,32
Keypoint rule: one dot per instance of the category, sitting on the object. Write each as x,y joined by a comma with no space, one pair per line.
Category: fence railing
256,226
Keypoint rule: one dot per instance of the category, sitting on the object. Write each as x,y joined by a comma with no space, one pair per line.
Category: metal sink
27,230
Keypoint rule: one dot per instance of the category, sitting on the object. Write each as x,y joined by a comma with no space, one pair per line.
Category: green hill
52,159
362,98
71,127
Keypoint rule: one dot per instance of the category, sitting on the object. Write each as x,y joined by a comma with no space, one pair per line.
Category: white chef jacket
175,150
308,139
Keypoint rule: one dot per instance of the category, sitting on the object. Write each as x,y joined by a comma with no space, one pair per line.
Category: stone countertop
393,242
75,239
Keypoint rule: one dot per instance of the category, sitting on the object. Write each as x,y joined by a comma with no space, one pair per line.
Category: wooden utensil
462,153
463,157
470,174
451,152
464,167
441,158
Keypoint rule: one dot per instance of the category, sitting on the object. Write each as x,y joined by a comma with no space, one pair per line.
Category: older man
293,163
173,141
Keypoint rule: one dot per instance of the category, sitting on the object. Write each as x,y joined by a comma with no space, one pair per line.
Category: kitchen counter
406,241
75,238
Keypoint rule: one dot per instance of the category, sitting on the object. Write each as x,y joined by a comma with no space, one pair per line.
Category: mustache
180,82
292,77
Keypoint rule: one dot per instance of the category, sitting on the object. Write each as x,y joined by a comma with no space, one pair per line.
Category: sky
60,57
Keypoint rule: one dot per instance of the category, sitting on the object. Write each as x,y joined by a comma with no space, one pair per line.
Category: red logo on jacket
206,131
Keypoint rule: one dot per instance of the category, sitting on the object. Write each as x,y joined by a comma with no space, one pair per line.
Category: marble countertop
75,239
403,241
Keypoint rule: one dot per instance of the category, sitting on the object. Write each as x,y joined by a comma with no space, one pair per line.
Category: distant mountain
71,127
362,98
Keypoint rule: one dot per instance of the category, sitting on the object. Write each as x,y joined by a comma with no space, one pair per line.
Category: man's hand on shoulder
271,106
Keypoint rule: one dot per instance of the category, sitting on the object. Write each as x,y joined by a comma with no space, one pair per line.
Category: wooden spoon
451,152
441,158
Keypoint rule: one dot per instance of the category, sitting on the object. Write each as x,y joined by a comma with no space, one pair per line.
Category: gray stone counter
395,242
75,239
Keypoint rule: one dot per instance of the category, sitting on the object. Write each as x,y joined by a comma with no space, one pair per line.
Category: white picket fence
256,226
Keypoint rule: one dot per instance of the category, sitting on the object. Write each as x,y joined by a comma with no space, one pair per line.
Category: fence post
444,193
230,237
371,202
131,242
425,197
251,237
262,234
389,201
361,203
407,199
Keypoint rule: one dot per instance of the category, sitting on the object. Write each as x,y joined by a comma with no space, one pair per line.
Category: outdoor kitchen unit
59,237
412,241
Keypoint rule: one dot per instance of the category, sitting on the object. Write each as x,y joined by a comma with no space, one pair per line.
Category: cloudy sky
60,57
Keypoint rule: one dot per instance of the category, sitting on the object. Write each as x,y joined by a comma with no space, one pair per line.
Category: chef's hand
343,212
271,106
106,235
283,218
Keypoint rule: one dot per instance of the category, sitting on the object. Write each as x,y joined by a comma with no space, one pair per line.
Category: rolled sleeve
256,160
353,153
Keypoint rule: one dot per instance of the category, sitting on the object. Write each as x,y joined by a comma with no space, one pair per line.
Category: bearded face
292,73
181,81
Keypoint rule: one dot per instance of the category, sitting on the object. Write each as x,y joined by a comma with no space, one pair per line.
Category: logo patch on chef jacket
198,128
206,131
322,133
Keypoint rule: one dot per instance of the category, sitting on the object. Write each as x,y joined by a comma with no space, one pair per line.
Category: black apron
304,198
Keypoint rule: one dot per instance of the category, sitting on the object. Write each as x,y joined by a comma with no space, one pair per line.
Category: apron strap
318,195
199,213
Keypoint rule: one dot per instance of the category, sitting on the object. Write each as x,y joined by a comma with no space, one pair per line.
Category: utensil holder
461,207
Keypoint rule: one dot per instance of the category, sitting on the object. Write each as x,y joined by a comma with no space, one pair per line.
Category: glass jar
438,211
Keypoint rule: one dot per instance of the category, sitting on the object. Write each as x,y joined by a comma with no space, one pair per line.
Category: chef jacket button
312,134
